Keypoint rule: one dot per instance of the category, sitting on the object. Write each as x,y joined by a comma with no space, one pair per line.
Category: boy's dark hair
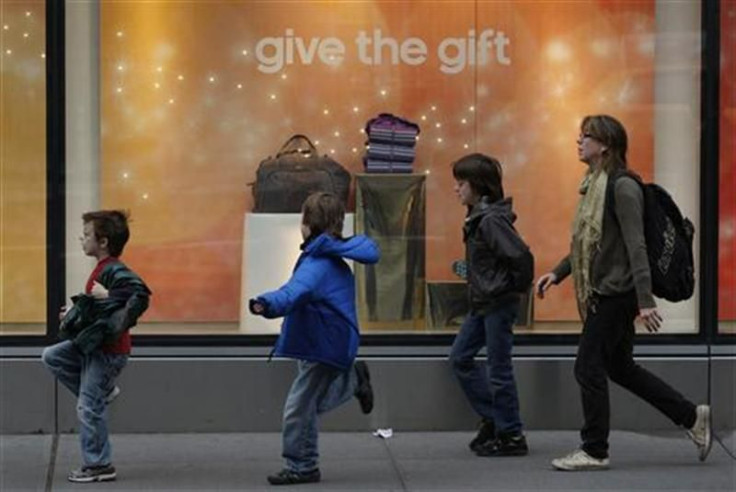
323,212
611,133
482,172
110,224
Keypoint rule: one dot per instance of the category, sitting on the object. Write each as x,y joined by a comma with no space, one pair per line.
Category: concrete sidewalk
358,461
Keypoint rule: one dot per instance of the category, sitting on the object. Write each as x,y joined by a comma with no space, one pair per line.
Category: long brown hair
611,133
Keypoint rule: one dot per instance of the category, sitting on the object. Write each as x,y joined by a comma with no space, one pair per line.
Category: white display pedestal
270,250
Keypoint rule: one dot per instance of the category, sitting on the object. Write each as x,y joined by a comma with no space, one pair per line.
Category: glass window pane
188,115
22,168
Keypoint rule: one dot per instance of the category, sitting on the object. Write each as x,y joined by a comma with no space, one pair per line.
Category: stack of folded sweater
390,145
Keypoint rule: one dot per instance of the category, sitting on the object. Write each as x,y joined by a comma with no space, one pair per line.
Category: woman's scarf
587,229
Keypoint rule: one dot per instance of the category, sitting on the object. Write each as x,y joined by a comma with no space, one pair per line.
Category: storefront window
195,95
22,168
727,181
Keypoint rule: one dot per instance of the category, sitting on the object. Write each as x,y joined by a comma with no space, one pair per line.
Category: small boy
320,330
500,268
96,340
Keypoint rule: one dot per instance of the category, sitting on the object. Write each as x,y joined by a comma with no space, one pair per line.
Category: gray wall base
175,395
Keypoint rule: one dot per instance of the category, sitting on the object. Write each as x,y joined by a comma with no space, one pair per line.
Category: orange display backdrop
727,181
22,165
195,94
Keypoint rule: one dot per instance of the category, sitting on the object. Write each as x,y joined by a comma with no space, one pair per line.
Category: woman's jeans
606,351
317,389
489,386
90,378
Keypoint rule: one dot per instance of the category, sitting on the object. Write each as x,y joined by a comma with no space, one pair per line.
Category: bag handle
295,145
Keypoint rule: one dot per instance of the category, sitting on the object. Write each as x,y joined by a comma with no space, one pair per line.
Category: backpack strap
611,187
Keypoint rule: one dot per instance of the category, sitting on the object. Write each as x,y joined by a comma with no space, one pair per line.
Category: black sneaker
87,474
364,390
291,477
514,445
486,432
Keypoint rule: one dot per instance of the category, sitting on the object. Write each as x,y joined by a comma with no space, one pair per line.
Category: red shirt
122,346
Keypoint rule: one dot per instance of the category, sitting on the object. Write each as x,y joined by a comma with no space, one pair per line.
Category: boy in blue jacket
320,330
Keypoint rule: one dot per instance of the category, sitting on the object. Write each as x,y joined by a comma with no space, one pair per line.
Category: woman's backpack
669,239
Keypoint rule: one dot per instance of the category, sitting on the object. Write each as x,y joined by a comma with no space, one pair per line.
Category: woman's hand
544,283
651,319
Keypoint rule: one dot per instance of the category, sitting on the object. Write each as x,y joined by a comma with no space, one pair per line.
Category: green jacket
92,322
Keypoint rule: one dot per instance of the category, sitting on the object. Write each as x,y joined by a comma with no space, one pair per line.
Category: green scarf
587,229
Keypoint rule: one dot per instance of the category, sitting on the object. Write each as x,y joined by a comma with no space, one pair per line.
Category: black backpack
669,239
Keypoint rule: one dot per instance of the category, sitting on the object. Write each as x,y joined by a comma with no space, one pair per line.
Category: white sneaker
112,395
700,433
579,460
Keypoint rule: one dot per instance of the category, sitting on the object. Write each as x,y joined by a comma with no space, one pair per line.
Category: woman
609,265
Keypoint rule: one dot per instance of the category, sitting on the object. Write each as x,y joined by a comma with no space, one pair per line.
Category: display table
270,250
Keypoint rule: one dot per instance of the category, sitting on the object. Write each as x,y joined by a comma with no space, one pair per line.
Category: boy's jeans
490,387
90,378
317,388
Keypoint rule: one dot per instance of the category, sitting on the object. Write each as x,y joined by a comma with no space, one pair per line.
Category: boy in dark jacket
499,268
97,342
320,330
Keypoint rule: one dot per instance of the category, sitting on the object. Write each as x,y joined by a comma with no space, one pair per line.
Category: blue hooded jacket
318,302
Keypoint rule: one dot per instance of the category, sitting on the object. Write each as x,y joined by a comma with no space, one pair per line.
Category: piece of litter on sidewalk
383,433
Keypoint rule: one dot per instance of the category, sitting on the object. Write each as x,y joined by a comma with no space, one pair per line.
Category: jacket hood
359,248
500,207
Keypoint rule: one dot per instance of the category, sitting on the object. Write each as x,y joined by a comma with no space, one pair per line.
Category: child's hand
460,268
99,292
256,307
62,312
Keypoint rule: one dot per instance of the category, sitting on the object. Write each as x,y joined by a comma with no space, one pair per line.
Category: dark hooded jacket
318,302
500,265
